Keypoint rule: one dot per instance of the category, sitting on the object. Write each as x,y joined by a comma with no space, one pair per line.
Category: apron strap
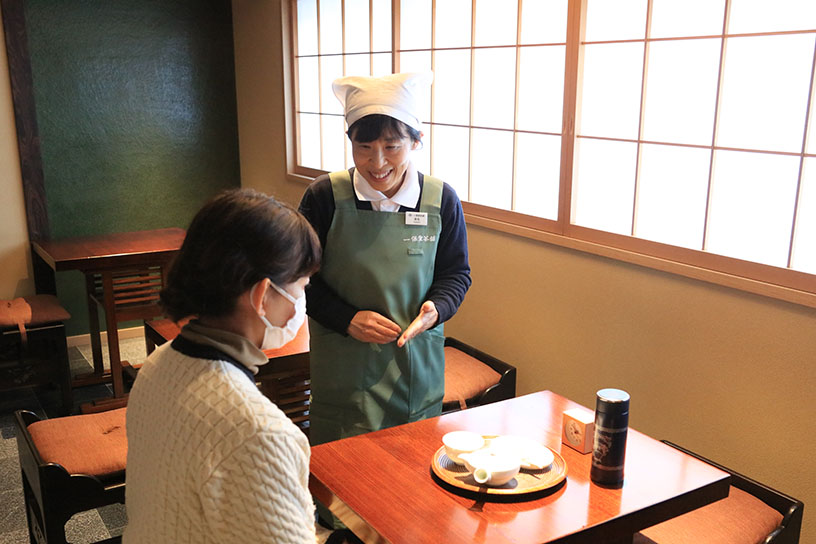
343,189
431,201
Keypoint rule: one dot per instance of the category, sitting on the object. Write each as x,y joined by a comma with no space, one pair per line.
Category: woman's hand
371,327
426,319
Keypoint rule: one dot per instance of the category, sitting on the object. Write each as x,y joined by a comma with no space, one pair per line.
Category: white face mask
275,337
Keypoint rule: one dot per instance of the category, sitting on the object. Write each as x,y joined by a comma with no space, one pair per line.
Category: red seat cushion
740,518
94,444
466,376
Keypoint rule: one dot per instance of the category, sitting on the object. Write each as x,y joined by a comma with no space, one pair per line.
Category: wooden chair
474,378
33,350
69,465
285,380
752,512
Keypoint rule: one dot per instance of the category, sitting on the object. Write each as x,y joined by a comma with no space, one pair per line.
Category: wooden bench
69,465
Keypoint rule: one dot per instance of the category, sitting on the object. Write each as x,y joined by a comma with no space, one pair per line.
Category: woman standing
210,459
395,267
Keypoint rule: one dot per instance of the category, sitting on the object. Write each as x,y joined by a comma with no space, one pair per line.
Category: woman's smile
383,162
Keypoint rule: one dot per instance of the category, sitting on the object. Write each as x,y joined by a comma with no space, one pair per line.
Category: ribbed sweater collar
233,345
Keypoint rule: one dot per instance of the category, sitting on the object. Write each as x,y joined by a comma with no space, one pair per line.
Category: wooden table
381,485
123,273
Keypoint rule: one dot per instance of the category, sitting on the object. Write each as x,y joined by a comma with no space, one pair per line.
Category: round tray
526,481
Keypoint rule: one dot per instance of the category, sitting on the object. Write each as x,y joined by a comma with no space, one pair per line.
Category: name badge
416,218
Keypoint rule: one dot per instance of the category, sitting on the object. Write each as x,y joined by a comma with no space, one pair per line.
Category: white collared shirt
407,195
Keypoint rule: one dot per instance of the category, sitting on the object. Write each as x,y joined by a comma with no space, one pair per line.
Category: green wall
136,113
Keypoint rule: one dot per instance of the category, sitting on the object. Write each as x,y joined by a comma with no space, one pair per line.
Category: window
667,128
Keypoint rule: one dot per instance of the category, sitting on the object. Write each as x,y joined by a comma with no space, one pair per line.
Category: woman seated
210,459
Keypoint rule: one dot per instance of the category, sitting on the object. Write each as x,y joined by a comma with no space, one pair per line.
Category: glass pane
496,22
681,91
308,144
422,156
764,92
751,209
492,168
765,16
333,144
356,22
672,191
358,65
419,62
306,27
541,88
382,64
381,22
331,27
538,167
331,68
494,82
308,86
450,157
604,187
349,156
415,24
544,21
610,104
811,141
453,23
615,20
804,242
452,87
671,18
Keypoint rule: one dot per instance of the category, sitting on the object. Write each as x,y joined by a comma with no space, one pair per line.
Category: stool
69,465
33,350
474,378
752,512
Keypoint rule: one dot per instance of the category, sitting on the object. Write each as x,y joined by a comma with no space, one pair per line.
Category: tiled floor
85,527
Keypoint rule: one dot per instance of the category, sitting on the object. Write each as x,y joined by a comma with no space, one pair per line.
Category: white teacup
459,442
490,467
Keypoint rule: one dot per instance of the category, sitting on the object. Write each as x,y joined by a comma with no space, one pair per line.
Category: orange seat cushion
466,376
740,518
94,444
46,309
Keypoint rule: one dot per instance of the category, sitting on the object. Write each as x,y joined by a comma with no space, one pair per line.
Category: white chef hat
396,95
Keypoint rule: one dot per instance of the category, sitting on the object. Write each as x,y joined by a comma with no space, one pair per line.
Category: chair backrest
286,381
501,386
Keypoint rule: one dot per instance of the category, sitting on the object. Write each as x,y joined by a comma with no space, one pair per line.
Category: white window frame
776,282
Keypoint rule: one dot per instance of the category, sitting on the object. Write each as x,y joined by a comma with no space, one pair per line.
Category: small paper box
578,429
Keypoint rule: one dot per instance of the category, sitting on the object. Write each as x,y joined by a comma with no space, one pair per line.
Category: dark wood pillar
25,117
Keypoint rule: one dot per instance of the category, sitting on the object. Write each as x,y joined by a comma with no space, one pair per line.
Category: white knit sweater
210,459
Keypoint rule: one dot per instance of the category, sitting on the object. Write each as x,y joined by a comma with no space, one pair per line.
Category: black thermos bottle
611,425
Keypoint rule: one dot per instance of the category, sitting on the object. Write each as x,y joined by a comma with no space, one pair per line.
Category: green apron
374,261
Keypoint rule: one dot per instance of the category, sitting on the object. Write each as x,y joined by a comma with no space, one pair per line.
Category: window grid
714,147
572,85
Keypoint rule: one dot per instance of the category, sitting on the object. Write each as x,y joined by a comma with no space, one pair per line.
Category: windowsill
703,274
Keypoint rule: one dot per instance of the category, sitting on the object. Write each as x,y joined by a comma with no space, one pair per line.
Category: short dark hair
238,238
372,127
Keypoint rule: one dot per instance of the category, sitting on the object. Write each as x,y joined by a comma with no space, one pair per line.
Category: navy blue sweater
451,269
